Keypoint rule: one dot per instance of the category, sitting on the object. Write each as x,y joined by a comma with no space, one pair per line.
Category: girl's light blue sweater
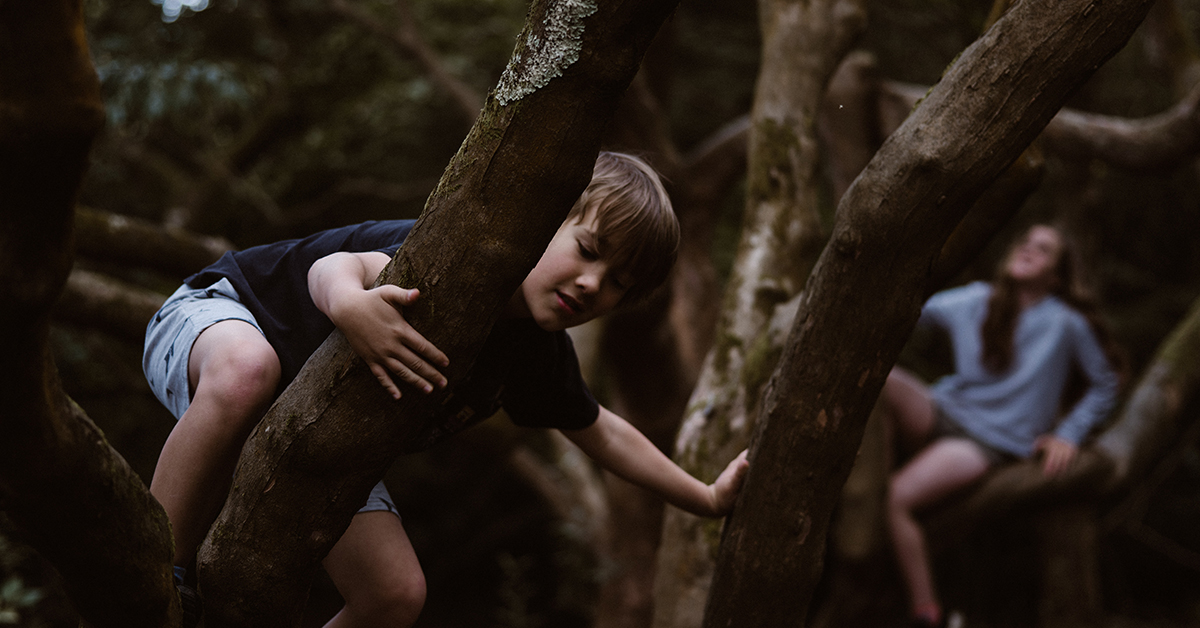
1010,410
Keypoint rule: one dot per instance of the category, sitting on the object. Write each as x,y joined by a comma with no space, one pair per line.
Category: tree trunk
1070,578
314,457
892,224
779,242
72,496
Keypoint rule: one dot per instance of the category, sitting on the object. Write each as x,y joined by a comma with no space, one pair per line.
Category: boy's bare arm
373,321
622,449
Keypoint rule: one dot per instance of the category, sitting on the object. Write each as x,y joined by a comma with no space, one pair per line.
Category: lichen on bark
545,50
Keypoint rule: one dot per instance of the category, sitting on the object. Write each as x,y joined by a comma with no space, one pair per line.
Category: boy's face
572,283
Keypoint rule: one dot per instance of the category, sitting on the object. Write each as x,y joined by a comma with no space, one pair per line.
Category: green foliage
17,601
30,592
257,108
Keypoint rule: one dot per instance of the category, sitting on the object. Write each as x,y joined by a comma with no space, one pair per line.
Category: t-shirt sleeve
545,388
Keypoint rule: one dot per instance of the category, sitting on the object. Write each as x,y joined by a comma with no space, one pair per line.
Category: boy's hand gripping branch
373,322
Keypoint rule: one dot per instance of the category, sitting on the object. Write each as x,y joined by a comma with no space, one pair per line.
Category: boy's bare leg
234,372
377,572
945,466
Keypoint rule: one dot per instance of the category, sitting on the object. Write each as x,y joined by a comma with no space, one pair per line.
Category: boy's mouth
569,303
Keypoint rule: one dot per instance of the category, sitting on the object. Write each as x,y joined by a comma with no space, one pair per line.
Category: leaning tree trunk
802,46
891,226
313,459
72,496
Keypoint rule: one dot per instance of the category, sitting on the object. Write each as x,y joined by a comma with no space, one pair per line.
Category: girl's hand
1057,454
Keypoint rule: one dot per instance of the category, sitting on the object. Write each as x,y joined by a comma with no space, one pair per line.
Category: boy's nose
589,280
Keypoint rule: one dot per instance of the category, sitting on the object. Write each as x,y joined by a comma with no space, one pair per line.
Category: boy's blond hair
635,224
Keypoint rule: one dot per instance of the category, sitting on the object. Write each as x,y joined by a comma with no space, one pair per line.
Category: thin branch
104,303
1164,545
1138,144
406,39
1143,145
346,189
112,237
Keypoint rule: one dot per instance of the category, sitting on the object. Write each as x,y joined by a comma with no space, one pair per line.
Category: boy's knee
239,383
250,374
397,603
899,500
409,598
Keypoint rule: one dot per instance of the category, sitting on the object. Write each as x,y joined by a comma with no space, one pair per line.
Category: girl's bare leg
945,466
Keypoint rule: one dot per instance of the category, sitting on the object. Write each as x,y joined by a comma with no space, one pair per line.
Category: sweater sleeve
1101,393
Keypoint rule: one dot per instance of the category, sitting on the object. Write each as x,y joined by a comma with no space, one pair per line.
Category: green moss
711,531
761,360
774,147
724,344
1181,350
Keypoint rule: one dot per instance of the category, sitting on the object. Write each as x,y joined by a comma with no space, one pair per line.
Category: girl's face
572,283
1033,261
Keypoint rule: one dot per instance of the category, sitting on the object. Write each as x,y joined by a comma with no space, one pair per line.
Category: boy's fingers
416,373
422,369
416,342
398,296
385,380
410,337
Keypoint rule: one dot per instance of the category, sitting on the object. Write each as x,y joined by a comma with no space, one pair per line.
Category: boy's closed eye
588,251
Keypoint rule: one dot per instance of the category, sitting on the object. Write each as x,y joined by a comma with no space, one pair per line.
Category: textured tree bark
803,43
329,438
892,224
72,496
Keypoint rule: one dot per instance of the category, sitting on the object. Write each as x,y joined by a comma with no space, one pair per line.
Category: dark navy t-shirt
533,374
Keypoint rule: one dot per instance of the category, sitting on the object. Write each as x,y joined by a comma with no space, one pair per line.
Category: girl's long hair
1071,287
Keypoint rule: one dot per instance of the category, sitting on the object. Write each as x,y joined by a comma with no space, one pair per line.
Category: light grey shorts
169,339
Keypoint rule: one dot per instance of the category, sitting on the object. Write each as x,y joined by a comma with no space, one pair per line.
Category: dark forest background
256,120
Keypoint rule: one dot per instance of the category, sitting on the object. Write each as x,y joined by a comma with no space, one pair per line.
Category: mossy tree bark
72,497
892,224
803,43
314,457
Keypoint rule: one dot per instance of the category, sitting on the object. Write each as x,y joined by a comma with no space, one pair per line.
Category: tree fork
892,224
313,459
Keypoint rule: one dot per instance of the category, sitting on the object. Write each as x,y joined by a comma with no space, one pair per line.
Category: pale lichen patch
548,50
